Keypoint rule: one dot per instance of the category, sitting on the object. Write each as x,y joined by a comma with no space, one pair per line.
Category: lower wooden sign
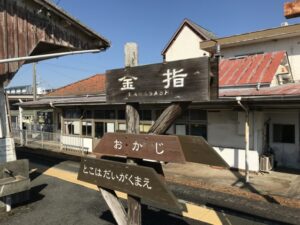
135,180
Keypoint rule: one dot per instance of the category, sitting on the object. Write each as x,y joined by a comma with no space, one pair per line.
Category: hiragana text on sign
139,181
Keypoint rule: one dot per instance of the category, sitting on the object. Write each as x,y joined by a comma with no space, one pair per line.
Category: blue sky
151,24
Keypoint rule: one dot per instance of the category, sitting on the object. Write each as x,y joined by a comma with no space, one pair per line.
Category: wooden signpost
176,81
179,83
139,181
166,148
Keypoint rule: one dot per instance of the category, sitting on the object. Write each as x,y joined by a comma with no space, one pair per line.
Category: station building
259,75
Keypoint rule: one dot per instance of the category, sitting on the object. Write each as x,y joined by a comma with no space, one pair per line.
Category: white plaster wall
186,45
225,131
290,45
236,158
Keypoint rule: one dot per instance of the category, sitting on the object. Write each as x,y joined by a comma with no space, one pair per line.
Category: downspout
238,99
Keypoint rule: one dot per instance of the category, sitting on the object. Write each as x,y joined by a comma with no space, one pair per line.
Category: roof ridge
191,22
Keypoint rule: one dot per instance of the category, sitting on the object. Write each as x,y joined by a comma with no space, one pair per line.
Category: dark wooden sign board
292,9
176,81
138,181
167,148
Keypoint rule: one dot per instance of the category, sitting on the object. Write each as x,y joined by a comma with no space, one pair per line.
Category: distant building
23,93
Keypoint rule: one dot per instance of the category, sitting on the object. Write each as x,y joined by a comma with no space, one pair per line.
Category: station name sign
183,80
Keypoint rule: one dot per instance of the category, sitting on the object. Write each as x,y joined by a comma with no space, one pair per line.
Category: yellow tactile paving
193,211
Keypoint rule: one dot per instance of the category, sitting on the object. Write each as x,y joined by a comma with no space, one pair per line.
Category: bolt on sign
138,181
166,148
182,80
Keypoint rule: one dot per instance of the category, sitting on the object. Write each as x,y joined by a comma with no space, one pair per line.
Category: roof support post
247,135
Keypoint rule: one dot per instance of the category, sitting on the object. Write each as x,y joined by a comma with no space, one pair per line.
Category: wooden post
3,115
168,117
114,205
133,127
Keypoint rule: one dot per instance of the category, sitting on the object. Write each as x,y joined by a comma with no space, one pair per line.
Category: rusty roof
93,85
282,90
254,69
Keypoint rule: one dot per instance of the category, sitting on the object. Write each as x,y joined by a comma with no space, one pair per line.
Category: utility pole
34,88
34,93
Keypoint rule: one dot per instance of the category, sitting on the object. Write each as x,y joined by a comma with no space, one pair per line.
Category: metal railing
50,141
36,127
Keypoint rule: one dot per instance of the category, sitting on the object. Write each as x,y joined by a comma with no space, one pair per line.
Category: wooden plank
292,9
112,201
197,150
139,181
133,127
3,39
166,148
176,81
168,117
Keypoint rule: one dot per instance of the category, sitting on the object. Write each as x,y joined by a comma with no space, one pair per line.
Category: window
121,115
199,130
99,114
87,128
284,133
145,115
110,114
121,127
72,127
196,114
72,113
99,129
181,129
144,128
87,114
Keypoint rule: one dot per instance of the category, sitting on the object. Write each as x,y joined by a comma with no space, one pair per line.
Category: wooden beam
133,127
292,9
115,205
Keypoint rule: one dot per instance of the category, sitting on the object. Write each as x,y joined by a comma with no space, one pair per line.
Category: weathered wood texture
292,9
113,202
136,180
166,148
176,81
30,28
4,127
168,117
133,127
214,77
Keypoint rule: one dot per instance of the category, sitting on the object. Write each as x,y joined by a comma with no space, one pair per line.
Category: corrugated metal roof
260,68
53,102
282,90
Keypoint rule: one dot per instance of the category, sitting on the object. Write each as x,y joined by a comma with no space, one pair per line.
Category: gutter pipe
46,56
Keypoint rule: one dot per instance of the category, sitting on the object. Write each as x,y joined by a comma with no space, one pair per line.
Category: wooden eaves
36,27
252,37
